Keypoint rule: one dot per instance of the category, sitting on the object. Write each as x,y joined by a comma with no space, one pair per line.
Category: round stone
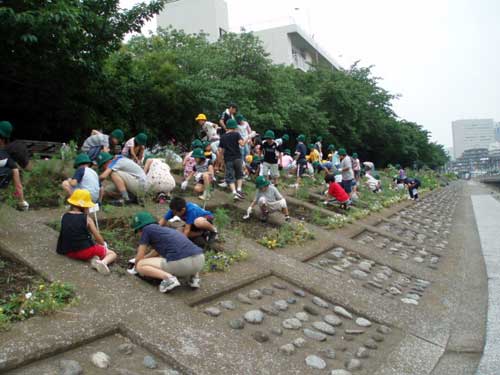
414,296
362,352
126,348
371,344
70,367
287,349
101,360
291,301
279,286
384,330
228,305
277,331
340,372
270,310
382,276
374,284
299,342
353,364
260,336
409,301
302,316
333,320
299,293
311,310
315,362
342,312
377,338
313,335
267,291
292,323
244,299
237,323
338,268
149,362
364,266
254,316
255,294
212,311
281,305
324,327
362,322
394,291
418,259
329,353
320,302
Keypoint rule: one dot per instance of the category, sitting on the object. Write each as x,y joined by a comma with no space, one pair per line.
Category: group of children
106,169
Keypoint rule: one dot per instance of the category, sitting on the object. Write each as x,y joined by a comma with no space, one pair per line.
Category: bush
286,235
222,261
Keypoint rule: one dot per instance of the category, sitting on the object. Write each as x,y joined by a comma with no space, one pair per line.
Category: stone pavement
391,294
487,212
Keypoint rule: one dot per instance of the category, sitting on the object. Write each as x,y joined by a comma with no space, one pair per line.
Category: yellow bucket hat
81,198
201,116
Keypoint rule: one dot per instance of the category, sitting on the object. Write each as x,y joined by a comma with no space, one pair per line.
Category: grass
222,261
287,235
39,300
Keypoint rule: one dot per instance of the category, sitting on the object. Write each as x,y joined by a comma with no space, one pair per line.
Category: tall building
195,16
472,134
288,45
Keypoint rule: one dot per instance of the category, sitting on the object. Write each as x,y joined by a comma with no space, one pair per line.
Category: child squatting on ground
173,254
269,199
77,229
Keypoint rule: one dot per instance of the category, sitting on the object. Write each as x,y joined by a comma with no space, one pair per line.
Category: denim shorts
234,170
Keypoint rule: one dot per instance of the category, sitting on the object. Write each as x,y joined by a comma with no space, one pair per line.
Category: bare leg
150,267
68,189
232,187
239,184
285,211
16,178
110,257
199,188
203,223
119,183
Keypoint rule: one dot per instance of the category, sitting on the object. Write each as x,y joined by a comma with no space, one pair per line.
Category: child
413,184
286,161
98,142
336,191
189,162
134,148
172,255
319,146
347,172
209,154
229,151
211,131
159,180
84,178
199,222
269,199
203,172
300,157
372,182
314,157
245,130
356,166
271,157
77,229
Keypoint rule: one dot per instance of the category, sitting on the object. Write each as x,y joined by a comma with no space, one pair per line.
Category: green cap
261,182
310,145
285,137
342,152
5,129
319,139
231,124
287,151
118,134
103,158
239,118
81,159
198,153
141,139
196,144
205,144
301,138
269,134
355,155
331,147
141,219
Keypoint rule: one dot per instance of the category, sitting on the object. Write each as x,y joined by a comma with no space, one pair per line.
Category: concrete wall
469,134
194,16
277,44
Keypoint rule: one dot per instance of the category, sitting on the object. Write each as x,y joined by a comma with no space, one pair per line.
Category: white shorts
272,206
270,168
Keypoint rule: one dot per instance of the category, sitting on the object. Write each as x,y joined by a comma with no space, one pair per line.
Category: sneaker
205,196
169,284
240,193
236,197
194,282
23,206
99,266
212,237
223,184
288,218
295,186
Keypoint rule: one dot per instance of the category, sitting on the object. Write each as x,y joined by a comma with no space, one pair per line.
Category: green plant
222,261
221,219
288,234
42,299
302,193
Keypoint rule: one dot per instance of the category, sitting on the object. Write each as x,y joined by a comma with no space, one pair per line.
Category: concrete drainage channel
375,297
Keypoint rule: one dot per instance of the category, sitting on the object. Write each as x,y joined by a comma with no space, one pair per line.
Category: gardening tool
249,212
93,210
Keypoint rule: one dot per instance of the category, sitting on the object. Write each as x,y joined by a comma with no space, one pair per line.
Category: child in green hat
272,157
83,178
269,199
203,172
134,148
99,142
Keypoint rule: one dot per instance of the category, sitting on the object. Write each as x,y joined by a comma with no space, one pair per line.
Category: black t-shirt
230,143
6,161
225,117
74,235
270,152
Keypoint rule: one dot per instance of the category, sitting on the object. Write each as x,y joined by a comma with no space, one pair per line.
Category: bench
43,149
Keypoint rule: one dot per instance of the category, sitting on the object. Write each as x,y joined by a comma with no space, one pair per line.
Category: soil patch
15,277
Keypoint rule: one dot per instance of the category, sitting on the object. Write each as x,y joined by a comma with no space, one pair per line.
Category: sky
440,56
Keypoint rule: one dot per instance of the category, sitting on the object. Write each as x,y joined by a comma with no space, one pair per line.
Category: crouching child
337,192
413,184
172,254
269,199
79,237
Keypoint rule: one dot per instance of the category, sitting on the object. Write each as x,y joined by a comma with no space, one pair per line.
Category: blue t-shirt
193,212
302,150
169,243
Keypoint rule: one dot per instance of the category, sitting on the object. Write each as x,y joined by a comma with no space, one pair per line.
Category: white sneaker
99,266
169,284
23,206
294,186
194,282
223,184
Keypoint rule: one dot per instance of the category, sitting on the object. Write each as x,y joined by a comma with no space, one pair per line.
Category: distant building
472,134
195,16
288,45
497,132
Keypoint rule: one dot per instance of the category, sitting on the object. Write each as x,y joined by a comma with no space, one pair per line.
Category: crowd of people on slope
122,172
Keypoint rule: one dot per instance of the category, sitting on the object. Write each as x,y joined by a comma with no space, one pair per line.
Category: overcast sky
442,56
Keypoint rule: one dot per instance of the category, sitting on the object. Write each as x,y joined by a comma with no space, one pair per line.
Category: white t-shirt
210,130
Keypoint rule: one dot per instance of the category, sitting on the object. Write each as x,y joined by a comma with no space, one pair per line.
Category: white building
195,16
472,134
288,45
